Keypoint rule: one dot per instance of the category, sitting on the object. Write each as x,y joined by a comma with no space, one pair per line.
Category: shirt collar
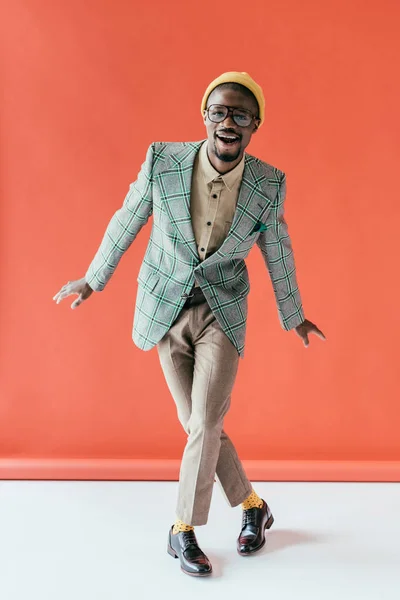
209,173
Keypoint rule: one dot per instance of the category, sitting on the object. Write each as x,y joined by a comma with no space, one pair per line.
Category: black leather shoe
254,523
183,545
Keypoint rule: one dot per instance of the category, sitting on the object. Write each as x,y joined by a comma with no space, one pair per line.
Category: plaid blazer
171,260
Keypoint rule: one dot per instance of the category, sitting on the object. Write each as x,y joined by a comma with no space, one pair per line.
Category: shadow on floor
278,539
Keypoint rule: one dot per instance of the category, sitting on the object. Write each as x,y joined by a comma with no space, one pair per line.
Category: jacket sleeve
123,227
277,252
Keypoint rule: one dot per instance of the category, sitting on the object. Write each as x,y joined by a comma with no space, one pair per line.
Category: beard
226,156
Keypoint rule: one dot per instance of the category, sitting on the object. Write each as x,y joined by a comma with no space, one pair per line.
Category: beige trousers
200,365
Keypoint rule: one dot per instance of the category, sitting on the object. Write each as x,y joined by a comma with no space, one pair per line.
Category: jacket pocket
148,282
241,287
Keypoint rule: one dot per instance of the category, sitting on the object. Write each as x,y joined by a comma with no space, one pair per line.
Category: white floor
90,540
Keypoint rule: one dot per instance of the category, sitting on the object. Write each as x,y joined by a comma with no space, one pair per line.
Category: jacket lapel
255,198
256,195
175,182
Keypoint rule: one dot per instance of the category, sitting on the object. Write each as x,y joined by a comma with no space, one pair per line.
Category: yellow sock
181,526
251,501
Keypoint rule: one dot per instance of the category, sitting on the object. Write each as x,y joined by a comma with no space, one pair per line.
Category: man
211,202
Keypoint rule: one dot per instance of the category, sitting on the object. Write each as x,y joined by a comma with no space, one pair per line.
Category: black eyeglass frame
231,110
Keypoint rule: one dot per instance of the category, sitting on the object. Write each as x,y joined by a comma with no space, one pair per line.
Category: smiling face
227,140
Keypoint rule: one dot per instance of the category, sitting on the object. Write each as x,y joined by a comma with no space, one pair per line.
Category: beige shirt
212,202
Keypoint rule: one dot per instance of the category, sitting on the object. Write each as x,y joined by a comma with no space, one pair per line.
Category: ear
256,125
204,116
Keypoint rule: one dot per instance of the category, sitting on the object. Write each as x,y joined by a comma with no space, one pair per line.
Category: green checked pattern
171,260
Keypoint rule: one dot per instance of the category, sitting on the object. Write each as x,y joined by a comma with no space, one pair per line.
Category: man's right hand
79,287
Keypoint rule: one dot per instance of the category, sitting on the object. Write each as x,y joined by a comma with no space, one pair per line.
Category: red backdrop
87,86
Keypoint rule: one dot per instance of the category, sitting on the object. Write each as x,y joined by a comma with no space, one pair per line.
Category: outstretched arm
277,251
123,227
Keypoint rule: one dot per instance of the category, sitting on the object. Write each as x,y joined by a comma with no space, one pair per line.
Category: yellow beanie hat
237,77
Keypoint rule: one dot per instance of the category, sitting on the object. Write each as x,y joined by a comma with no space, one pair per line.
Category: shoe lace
249,516
189,539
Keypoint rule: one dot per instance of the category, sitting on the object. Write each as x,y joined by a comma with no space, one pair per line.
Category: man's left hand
307,327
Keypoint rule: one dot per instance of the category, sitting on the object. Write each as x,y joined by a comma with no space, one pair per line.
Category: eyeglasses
218,113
